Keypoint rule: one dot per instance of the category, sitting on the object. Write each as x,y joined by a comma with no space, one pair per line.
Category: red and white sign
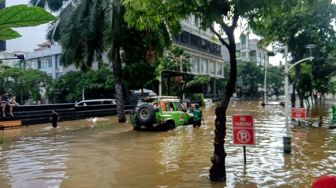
298,113
243,129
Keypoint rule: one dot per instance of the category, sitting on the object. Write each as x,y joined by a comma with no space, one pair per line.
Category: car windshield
179,106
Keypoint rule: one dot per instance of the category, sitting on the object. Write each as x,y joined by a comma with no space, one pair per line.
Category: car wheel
171,125
145,114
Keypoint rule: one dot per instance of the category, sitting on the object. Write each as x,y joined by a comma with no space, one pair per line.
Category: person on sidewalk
12,102
4,103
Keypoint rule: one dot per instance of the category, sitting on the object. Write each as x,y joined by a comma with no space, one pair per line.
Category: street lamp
287,138
310,47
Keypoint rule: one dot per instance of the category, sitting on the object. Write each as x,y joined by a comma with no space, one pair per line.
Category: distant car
165,111
95,102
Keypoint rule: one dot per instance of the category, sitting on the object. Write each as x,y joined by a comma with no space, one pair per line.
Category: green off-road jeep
160,111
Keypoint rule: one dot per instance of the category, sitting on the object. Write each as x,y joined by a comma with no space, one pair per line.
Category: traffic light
20,57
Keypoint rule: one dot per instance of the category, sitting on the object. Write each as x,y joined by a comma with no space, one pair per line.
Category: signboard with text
243,129
298,113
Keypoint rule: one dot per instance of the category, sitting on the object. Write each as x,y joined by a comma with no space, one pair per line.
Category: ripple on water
35,162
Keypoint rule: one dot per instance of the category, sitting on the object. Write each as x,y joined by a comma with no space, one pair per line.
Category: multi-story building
206,54
46,58
248,50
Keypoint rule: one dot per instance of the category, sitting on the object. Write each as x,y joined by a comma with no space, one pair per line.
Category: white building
46,58
9,59
205,53
248,50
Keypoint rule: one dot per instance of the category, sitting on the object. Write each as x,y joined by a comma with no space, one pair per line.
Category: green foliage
21,16
142,50
199,80
305,82
139,74
2,140
199,97
68,88
22,83
176,60
250,76
275,78
297,24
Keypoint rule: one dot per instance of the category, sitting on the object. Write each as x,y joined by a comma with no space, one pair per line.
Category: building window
253,53
219,69
45,63
243,39
212,67
238,54
243,55
194,64
204,67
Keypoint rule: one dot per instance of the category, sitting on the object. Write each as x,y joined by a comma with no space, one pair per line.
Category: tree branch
234,20
219,37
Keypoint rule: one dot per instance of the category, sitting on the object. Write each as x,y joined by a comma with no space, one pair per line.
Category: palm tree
86,29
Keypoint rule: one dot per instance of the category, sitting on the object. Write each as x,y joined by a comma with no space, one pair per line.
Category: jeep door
181,113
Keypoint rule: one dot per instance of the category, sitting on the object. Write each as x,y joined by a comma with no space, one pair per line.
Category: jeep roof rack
158,97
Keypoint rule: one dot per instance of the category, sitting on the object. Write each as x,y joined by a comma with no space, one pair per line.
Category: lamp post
287,138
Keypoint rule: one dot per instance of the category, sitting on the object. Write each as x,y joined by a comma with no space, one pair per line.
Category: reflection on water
113,155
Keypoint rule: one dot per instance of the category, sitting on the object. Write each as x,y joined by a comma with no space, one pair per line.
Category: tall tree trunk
116,61
217,171
117,73
293,97
301,98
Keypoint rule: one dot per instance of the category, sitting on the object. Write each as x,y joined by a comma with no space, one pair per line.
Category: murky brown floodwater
113,155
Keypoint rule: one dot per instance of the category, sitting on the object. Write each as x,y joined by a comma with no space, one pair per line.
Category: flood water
107,154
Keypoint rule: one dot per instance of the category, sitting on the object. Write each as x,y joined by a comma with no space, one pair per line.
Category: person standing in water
197,116
54,118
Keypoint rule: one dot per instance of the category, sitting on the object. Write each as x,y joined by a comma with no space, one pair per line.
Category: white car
95,102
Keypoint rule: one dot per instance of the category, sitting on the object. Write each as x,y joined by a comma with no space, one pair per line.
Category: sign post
298,113
243,131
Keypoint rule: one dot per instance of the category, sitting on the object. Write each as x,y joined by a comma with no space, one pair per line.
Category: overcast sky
31,36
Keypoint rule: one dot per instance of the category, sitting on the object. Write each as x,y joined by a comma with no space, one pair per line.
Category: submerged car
164,111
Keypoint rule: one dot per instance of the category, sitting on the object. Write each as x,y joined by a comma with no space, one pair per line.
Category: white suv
95,102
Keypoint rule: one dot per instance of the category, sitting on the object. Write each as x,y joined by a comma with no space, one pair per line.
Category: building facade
206,54
47,58
248,50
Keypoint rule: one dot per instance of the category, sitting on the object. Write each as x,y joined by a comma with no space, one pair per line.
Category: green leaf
23,16
8,33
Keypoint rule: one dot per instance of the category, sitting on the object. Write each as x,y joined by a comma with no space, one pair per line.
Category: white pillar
265,83
83,94
160,84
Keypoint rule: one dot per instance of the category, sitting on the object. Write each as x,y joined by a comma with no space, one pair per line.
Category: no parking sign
243,129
